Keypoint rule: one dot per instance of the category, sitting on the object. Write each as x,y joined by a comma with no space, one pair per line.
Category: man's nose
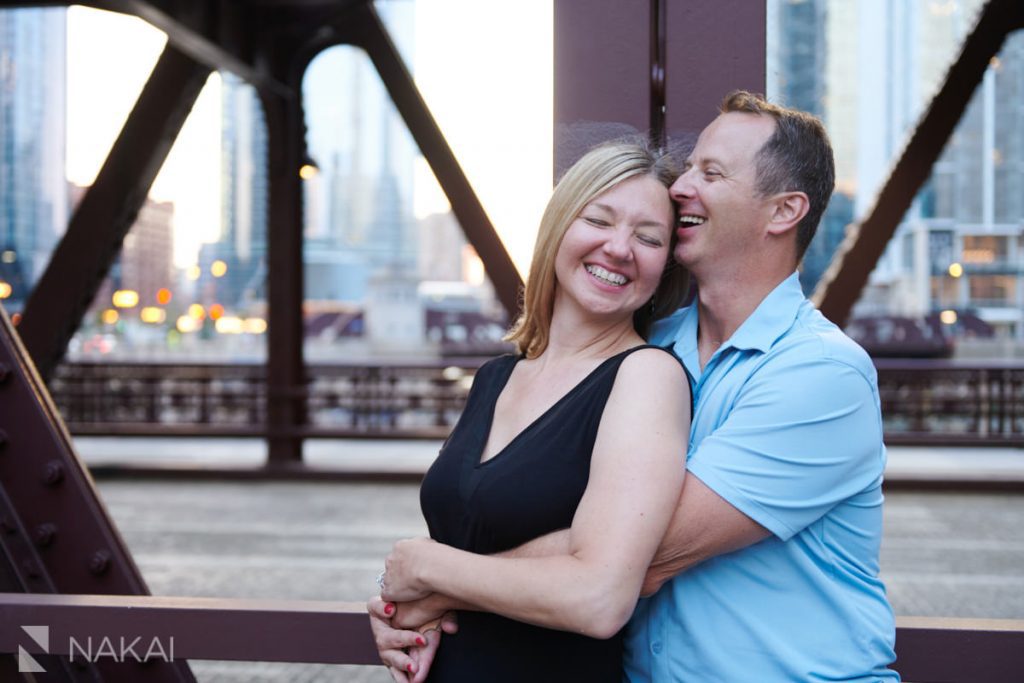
682,188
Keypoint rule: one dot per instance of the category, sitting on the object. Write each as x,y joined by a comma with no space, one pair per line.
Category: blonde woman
585,428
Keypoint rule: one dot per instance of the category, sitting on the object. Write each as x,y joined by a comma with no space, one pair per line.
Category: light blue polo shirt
787,428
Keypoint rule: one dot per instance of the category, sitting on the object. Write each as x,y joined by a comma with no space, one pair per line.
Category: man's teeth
691,220
606,276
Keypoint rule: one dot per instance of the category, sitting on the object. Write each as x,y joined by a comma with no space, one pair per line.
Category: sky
500,126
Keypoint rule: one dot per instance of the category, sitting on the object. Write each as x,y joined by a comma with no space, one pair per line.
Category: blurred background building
384,275
33,190
868,69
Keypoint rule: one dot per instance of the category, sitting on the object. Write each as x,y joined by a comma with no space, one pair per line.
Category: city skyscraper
242,246
957,250
797,74
33,189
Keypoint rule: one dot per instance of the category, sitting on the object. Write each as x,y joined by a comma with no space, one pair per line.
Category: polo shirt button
656,647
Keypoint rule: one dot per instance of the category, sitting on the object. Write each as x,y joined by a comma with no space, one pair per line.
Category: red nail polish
388,609
420,641
408,667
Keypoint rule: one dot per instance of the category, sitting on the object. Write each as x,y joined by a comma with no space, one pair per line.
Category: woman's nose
617,244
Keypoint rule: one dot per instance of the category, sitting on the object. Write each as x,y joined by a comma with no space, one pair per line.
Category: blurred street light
186,324
125,298
254,325
229,324
152,315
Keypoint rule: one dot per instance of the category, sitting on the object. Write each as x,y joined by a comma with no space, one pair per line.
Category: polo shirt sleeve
802,435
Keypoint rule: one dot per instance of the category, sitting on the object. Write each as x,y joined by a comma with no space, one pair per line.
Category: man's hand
416,613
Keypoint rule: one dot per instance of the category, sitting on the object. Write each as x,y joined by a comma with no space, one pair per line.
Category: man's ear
788,209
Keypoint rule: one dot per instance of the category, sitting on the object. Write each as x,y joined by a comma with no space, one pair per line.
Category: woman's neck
575,336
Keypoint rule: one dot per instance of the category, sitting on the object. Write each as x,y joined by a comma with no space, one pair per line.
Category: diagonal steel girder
362,27
83,257
55,534
841,285
219,33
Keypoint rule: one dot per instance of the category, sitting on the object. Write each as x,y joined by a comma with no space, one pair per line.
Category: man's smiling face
720,213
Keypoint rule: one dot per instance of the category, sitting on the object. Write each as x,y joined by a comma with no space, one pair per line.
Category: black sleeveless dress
530,488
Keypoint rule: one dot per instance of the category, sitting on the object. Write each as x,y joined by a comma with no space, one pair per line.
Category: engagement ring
380,578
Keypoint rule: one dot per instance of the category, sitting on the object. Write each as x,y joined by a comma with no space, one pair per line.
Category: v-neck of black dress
531,487
538,422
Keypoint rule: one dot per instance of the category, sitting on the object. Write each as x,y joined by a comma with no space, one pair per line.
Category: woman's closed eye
595,221
650,240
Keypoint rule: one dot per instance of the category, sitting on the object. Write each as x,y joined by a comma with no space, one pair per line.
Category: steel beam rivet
99,563
45,534
30,569
5,372
54,473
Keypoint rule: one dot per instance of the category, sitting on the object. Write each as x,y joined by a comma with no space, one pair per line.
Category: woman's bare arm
637,470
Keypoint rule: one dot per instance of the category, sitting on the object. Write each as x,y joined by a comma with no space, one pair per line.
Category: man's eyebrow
703,161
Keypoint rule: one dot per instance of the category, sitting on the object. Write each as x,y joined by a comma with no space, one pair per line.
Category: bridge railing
928,649
923,401
951,402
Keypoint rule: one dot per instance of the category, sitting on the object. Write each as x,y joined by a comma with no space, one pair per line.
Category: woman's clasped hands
408,633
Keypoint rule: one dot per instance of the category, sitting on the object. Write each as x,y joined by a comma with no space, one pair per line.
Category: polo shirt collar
772,317
769,321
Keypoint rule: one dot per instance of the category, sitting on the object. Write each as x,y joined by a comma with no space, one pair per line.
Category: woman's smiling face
613,254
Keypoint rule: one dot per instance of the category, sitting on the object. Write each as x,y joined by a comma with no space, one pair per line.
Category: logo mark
26,662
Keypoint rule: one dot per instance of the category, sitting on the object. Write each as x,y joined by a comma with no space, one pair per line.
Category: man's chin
682,256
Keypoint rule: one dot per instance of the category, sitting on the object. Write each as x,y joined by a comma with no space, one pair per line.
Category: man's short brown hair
797,157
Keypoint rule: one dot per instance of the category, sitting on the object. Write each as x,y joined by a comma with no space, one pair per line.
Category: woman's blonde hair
599,170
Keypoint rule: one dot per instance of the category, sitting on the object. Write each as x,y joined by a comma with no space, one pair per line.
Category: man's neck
724,305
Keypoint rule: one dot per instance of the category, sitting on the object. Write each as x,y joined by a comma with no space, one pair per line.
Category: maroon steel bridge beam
604,65
107,211
218,33
658,68
55,535
711,49
928,649
285,280
841,285
196,628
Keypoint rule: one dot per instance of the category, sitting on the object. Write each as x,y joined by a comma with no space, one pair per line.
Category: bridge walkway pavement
944,553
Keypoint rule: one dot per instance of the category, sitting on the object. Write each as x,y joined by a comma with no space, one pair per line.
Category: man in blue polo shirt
770,566
769,570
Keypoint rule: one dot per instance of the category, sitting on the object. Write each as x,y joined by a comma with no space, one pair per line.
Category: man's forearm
555,543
